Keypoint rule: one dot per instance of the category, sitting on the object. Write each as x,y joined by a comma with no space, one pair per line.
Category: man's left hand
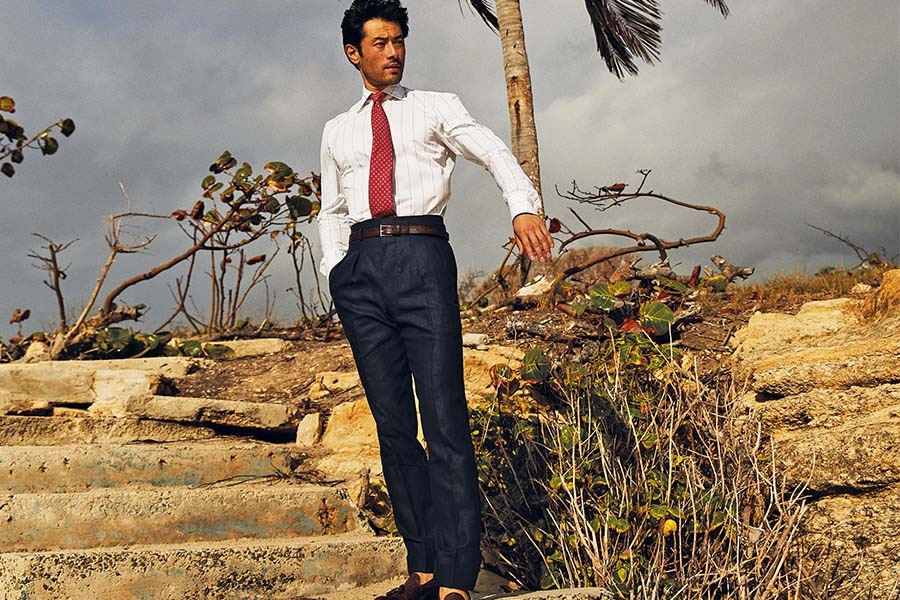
532,237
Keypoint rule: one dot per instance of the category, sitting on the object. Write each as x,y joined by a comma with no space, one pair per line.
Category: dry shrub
642,480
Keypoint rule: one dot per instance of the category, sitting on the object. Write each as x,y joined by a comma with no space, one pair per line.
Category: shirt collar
395,91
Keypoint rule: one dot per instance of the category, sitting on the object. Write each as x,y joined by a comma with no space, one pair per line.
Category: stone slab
43,382
78,468
859,457
49,383
104,518
860,534
285,569
821,408
232,413
173,367
46,431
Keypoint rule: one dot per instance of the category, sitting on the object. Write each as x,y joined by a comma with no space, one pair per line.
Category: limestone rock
477,366
827,344
310,430
36,352
352,440
254,415
473,340
859,535
822,409
332,383
886,300
826,390
858,457
114,391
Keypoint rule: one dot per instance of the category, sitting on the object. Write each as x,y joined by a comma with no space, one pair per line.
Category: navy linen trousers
397,300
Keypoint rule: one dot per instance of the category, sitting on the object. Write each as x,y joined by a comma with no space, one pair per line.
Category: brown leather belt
391,230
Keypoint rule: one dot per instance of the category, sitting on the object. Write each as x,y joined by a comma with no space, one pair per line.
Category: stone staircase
108,504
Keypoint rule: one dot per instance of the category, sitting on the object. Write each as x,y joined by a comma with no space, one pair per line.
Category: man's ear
353,54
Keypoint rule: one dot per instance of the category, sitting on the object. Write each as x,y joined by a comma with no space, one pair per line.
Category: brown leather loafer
455,596
411,590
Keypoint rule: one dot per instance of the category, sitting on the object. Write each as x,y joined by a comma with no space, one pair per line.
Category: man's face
381,54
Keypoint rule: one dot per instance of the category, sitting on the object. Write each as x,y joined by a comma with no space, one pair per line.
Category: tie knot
378,97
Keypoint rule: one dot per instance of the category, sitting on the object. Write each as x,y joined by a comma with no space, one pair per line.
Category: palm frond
720,6
625,30
485,10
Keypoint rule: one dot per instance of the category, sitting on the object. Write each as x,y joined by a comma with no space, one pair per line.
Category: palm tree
625,30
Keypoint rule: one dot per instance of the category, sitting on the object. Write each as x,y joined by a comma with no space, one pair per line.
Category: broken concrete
231,413
80,467
45,431
116,517
276,569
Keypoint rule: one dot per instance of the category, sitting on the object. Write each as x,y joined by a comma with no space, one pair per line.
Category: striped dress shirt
429,130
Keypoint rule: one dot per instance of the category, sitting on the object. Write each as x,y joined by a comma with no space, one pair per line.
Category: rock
231,413
826,391
886,300
352,440
859,537
42,384
36,352
115,391
827,344
473,340
864,363
822,409
477,369
310,430
45,431
858,457
333,382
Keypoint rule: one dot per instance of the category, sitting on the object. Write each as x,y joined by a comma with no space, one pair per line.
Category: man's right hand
532,237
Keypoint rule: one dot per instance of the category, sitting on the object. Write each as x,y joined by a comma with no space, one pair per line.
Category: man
386,166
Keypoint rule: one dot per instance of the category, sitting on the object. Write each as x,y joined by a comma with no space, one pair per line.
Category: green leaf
535,365
657,316
113,339
49,146
191,348
208,182
671,284
608,296
67,127
658,511
299,206
272,205
718,283
218,351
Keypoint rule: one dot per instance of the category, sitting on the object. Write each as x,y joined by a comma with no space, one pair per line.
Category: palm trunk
518,91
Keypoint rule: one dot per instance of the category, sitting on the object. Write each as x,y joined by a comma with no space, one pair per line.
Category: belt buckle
388,230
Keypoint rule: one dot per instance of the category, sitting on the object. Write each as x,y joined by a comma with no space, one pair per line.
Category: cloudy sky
787,113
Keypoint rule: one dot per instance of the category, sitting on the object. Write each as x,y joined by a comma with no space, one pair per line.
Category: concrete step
115,517
78,468
49,431
241,569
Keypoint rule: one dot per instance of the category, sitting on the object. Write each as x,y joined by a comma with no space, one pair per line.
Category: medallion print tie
381,167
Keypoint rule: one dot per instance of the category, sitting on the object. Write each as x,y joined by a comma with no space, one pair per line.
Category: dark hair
363,10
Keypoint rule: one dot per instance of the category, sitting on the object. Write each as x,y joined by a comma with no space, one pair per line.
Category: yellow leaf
669,527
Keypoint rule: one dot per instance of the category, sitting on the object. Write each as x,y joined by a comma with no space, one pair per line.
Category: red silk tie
381,167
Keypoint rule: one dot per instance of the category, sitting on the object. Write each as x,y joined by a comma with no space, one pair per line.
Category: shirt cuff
329,262
522,203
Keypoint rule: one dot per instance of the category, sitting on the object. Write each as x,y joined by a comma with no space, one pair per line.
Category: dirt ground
286,377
